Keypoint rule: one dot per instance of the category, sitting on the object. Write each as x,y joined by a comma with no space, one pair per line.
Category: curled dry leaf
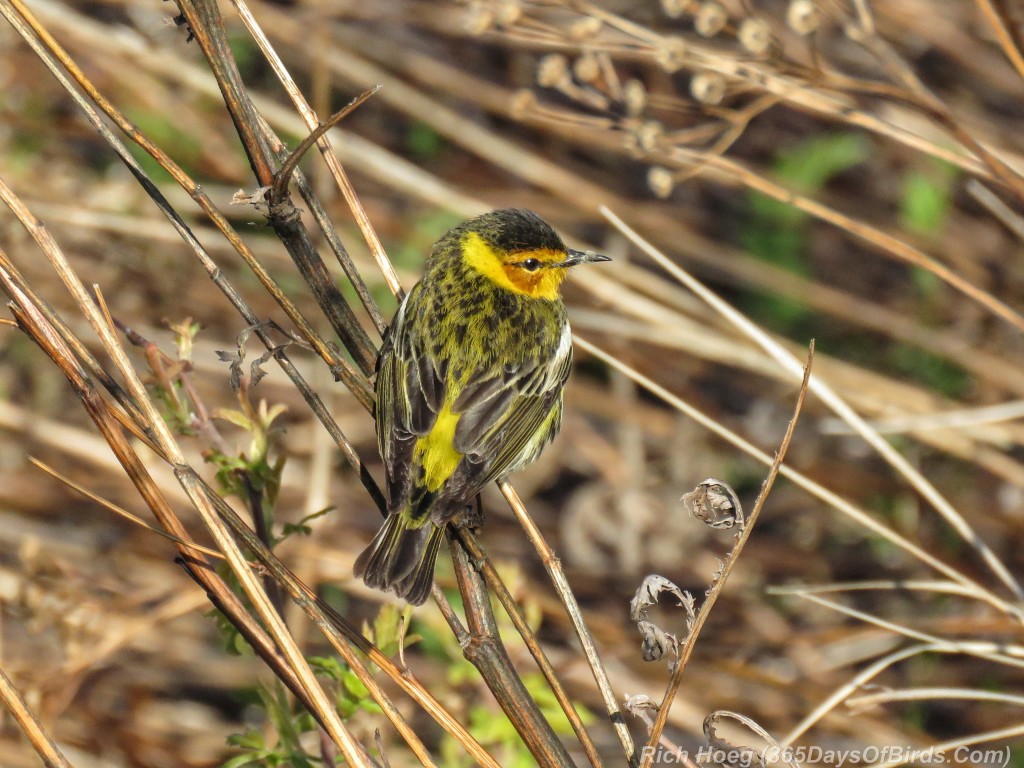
256,198
715,503
648,592
256,371
727,752
741,754
238,357
656,641
641,702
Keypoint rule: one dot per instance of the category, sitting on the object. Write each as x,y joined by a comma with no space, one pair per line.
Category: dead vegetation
843,171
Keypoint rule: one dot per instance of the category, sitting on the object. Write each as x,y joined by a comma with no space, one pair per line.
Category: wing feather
410,392
509,429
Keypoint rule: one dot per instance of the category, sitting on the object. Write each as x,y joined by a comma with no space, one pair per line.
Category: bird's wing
410,392
505,420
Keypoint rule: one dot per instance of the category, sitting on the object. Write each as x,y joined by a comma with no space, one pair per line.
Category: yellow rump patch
540,284
436,450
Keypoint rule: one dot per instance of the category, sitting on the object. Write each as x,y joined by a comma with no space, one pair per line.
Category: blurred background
842,171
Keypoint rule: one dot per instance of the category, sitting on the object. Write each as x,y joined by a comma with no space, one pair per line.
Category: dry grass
852,176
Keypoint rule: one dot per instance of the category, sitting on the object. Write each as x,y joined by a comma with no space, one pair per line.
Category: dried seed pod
802,17
587,68
479,19
675,8
660,181
671,54
523,102
755,35
634,95
710,19
585,28
648,134
552,71
508,13
708,88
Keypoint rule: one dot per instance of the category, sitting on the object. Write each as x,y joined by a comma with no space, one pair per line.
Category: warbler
469,383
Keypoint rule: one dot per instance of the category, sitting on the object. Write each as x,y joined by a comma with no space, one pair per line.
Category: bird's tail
401,557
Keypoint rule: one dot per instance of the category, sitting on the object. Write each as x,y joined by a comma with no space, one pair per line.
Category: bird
469,383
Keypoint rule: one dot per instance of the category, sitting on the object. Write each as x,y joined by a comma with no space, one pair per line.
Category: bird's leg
472,516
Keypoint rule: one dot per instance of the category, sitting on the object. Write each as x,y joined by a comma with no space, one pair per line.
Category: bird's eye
530,265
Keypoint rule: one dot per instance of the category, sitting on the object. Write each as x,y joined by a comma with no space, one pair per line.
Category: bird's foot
472,516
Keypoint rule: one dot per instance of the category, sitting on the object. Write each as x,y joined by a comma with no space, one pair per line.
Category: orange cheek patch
541,283
527,282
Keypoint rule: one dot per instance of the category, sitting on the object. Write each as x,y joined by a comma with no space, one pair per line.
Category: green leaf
810,164
328,666
390,627
934,371
776,231
423,141
251,739
241,760
369,705
302,527
305,723
805,169
354,685
237,418
926,201
291,529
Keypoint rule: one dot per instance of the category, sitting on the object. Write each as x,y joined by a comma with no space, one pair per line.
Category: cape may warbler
469,383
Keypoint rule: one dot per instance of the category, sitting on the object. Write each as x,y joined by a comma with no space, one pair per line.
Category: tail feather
415,587
401,557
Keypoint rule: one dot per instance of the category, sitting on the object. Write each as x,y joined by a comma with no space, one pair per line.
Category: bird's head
519,251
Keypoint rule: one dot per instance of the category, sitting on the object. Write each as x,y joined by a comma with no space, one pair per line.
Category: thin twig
858,681
1010,219
337,171
485,649
719,584
121,511
554,568
469,541
1007,30
279,189
875,698
42,742
1000,653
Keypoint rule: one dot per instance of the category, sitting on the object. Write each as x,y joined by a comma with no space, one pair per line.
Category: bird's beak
581,257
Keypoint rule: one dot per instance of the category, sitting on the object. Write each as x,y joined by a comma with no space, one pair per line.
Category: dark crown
514,230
